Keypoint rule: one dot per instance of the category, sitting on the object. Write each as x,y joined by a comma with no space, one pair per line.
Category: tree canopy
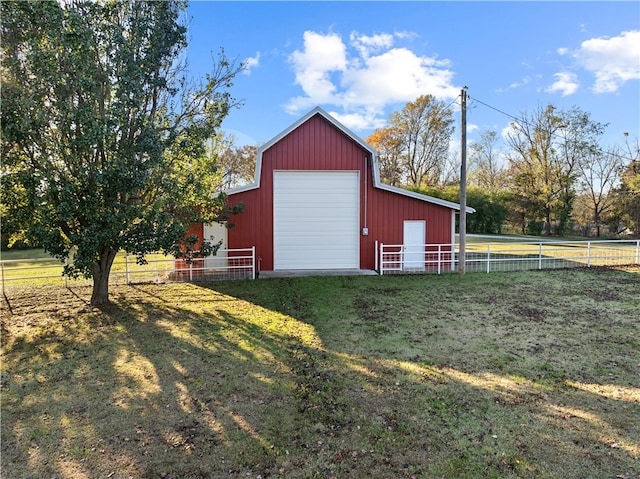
413,150
547,173
103,131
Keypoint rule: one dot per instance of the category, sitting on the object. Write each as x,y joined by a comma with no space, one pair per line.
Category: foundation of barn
296,273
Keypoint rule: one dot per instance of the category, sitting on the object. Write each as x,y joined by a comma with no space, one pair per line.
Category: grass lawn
503,375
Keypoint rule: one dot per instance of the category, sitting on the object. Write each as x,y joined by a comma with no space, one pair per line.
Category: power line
499,111
524,122
455,100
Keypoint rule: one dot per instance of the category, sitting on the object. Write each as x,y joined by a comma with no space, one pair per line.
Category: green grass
505,375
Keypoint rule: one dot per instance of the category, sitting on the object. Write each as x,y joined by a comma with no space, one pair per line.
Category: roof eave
372,151
426,198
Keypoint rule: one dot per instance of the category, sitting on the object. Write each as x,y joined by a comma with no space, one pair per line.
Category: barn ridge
317,203
347,132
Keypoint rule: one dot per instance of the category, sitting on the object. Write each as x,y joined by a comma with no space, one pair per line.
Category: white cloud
516,84
404,34
566,84
394,76
361,120
251,63
613,61
322,55
367,45
365,77
509,131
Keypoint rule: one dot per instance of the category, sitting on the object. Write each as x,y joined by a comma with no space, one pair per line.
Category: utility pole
462,266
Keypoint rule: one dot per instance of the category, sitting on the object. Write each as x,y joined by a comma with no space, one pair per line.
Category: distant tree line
551,175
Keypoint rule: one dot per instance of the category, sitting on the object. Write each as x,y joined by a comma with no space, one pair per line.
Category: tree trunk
547,222
101,270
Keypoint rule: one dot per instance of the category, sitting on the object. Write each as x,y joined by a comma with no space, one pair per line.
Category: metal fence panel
511,256
158,268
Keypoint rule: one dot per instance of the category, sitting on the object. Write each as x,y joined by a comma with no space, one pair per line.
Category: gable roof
359,141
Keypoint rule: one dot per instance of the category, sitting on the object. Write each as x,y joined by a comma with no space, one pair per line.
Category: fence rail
391,259
227,264
507,256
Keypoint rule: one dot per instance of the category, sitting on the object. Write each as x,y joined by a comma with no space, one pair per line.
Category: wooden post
462,267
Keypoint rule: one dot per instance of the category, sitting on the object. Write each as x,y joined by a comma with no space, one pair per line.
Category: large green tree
103,131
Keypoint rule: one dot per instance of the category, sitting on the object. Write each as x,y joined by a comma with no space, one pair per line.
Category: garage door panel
300,242
316,220
328,202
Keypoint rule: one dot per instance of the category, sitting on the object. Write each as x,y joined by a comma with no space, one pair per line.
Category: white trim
453,239
374,163
419,196
453,227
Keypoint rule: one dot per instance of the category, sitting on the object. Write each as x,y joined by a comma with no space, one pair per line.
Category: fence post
253,262
453,256
588,254
375,256
488,257
191,270
439,258
381,259
126,268
2,269
540,255
638,252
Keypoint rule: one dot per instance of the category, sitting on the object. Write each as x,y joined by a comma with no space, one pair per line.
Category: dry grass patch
527,375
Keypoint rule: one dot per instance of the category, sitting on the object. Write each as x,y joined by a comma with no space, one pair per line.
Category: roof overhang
364,145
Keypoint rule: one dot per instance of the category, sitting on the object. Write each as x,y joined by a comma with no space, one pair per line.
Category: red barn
317,203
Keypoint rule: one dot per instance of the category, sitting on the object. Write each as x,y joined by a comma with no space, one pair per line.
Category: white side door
214,233
413,245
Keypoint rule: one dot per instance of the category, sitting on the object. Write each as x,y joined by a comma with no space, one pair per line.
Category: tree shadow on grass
157,388
304,378
511,379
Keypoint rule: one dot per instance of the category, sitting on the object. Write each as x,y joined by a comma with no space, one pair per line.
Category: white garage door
316,220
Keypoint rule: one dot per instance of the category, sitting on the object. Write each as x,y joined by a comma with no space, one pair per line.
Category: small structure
317,203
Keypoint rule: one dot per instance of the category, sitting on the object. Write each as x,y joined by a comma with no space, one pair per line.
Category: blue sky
360,61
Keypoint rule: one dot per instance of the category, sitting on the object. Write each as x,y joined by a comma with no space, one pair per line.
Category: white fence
227,264
390,259
506,256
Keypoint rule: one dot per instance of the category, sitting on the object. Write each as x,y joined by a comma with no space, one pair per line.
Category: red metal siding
196,229
314,145
387,212
319,145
